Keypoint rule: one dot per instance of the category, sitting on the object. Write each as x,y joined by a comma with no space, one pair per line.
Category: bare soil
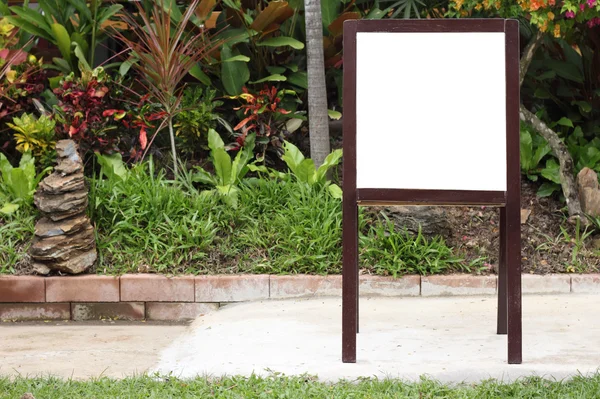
550,242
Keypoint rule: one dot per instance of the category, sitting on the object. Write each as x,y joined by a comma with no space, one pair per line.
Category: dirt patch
549,242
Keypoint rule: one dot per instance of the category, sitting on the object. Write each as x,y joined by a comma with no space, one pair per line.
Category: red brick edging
157,297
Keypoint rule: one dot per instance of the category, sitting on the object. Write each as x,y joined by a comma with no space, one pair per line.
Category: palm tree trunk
318,123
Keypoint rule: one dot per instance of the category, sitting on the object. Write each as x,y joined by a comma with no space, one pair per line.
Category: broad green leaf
27,165
32,29
551,171
5,167
330,161
82,7
238,57
565,122
276,70
127,64
258,168
233,4
375,13
571,55
335,191
566,70
28,18
109,12
584,106
222,163
83,64
292,156
330,9
4,9
229,194
113,167
542,93
63,41
335,115
305,171
199,74
19,185
547,75
9,208
546,189
214,140
540,152
82,42
234,36
243,157
280,41
202,176
296,4
54,82
28,15
299,79
526,146
271,78
171,6
234,75
62,65
293,124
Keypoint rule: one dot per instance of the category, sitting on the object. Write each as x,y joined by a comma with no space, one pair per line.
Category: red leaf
143,138
243,122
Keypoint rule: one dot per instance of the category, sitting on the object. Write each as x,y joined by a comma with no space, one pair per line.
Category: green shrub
196,118
17,185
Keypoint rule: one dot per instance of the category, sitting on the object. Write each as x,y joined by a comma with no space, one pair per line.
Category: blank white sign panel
431,111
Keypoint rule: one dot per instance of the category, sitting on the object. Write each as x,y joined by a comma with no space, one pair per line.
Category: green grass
295,388
152,224
16,232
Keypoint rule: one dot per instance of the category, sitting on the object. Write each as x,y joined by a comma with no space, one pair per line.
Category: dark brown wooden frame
509,271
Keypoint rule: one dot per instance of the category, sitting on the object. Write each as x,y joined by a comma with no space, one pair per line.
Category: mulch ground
550,242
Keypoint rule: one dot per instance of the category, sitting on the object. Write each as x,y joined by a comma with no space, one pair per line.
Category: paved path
451,339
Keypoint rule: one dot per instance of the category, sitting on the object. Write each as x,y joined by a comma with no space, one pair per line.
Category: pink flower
570,14
593,22
591,3
582,7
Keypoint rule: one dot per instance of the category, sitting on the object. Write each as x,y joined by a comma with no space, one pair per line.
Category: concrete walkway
450,339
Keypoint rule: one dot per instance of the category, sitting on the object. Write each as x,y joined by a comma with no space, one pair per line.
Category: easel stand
357,121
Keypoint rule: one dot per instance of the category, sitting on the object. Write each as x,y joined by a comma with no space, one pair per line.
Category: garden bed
153,225
549,242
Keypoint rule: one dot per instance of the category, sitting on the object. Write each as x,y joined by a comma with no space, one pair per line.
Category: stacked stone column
64,237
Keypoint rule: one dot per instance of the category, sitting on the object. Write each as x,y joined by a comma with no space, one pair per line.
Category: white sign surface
431,111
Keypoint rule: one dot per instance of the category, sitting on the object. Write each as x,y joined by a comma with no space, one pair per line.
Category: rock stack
589,192
64,237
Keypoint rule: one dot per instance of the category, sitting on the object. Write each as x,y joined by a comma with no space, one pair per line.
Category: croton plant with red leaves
263,115
100,114
82,101
141,119
23,82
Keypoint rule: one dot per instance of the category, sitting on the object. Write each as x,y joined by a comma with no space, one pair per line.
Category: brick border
182,298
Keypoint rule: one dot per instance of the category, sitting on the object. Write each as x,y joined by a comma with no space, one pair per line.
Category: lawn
295,387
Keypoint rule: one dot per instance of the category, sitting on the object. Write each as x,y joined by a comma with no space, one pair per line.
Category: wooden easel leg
349,280
357,298
513,267
502,301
